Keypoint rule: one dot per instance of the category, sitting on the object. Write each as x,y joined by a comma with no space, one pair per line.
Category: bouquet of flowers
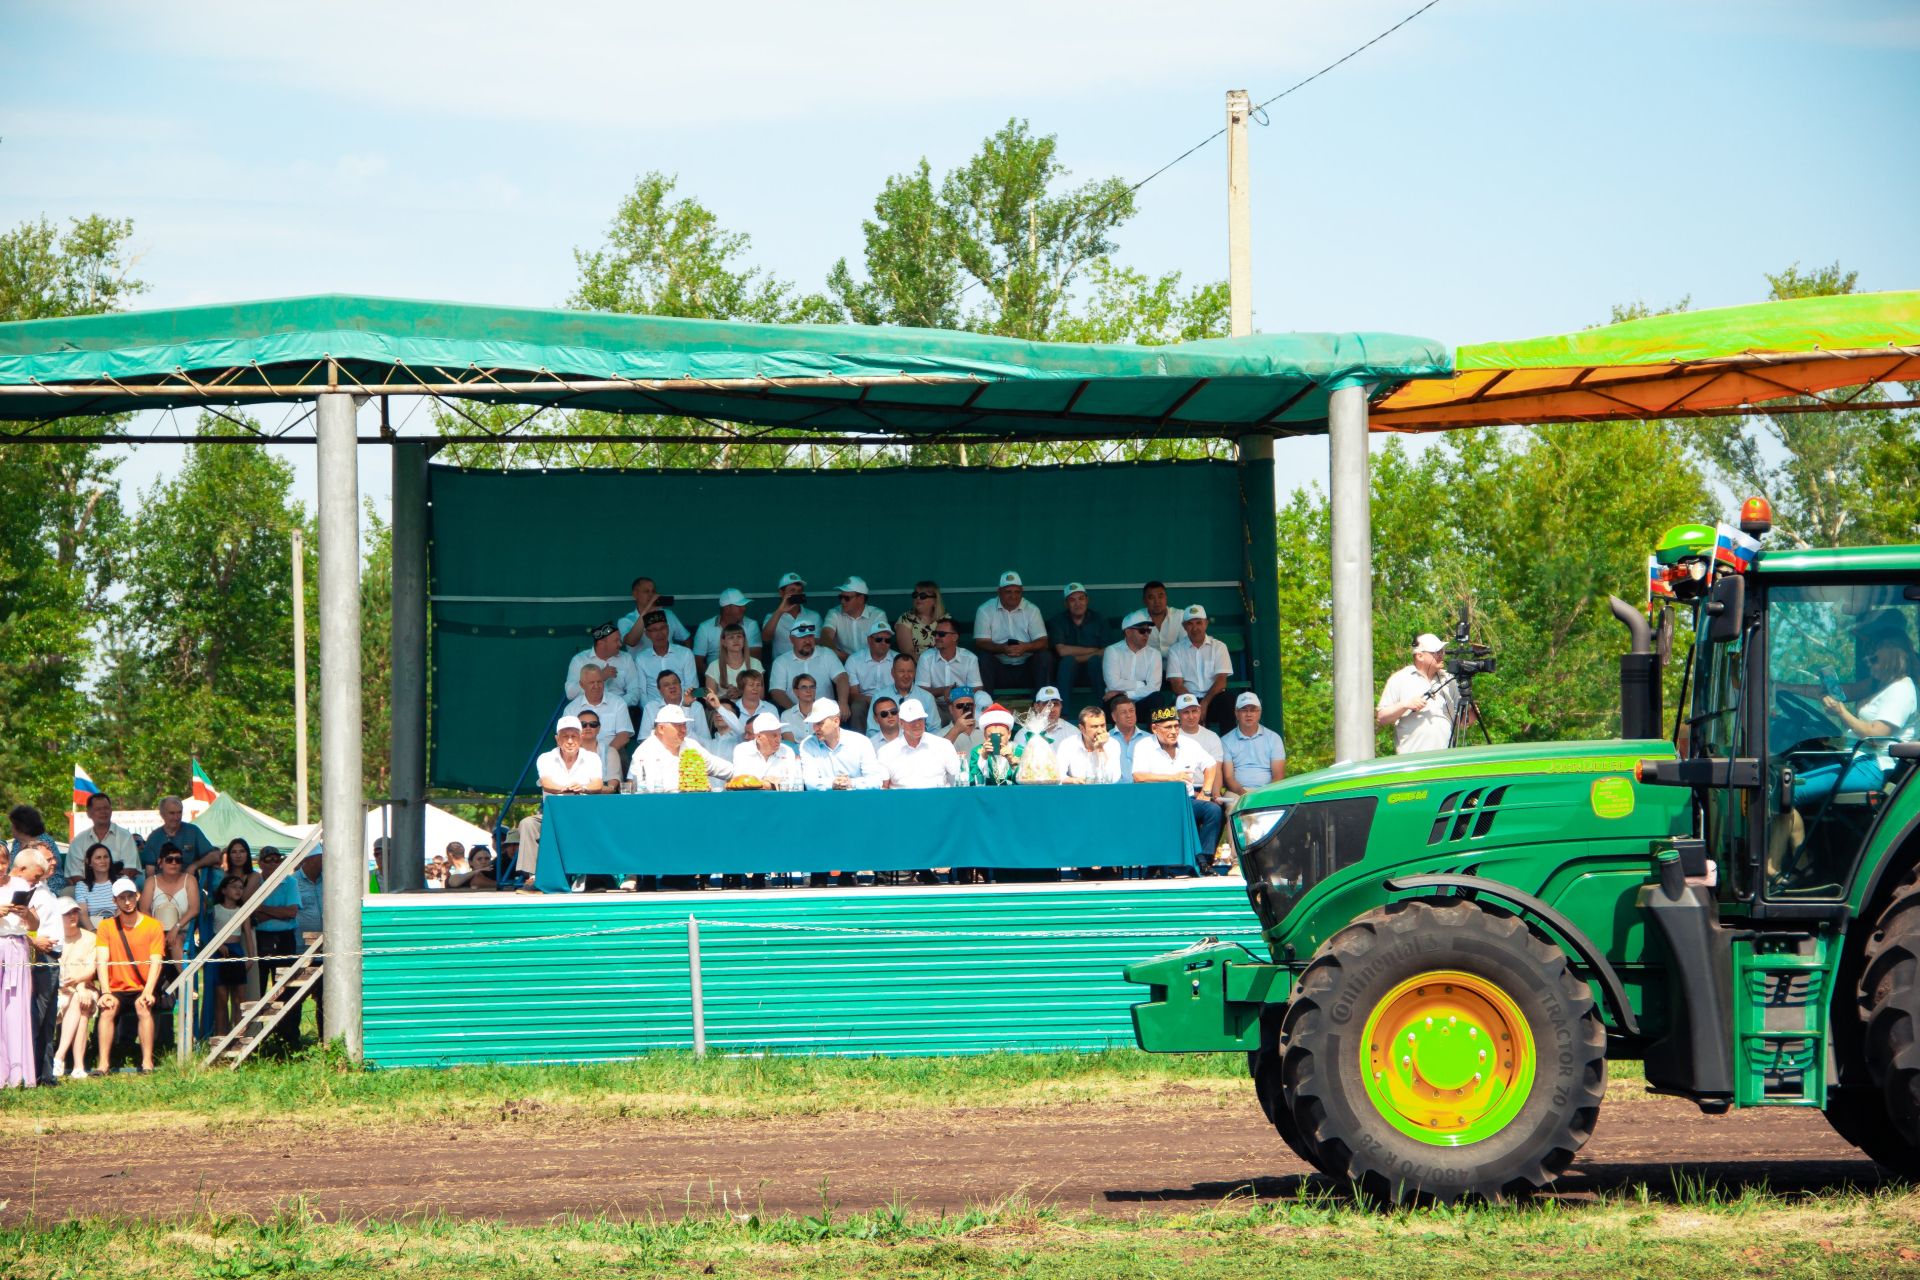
1038,762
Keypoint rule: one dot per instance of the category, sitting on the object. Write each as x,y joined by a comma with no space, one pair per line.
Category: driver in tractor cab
1884,717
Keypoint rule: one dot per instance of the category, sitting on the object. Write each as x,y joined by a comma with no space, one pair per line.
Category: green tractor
1458,941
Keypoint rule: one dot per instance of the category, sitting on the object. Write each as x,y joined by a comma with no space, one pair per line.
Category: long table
749,832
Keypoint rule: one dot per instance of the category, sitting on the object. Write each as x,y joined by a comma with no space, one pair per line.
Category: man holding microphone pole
1418,700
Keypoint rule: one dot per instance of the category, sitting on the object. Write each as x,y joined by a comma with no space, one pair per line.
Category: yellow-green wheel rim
1447,1058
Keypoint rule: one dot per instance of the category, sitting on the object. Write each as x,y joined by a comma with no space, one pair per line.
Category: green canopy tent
226,819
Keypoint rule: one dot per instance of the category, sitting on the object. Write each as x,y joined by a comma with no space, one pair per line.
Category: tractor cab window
1716,728
1841,683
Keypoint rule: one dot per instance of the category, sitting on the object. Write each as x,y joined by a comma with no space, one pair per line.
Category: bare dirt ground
1116,1158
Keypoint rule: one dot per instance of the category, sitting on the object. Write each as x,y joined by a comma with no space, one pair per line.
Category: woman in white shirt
1884,717
724,672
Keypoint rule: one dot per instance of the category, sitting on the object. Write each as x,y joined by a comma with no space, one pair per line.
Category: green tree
59,512
202,639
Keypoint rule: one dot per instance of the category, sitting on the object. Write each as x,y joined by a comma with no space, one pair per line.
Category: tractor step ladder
1780,1020
259,1017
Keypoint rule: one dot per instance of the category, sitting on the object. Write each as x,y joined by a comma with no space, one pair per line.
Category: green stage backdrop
524,562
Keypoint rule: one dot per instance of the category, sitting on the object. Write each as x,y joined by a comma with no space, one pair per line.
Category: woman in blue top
94,889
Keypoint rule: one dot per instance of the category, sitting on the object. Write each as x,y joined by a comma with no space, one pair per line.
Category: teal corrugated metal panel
488,978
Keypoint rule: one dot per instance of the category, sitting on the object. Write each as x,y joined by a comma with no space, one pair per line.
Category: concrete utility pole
1239,217
1352,520
300,677
342,813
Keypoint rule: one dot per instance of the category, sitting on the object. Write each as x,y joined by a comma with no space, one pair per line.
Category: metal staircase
259,1017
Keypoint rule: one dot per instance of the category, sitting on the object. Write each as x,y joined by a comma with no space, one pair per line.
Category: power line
1261,107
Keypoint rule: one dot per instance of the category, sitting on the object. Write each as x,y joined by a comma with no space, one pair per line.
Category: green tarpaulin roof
838,378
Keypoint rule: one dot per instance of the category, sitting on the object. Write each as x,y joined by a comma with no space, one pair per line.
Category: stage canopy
824,378
1690,364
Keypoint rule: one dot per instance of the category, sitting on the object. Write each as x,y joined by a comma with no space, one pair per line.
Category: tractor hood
1507,760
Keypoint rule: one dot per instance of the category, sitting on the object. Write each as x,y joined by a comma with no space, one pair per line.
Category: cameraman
1418,700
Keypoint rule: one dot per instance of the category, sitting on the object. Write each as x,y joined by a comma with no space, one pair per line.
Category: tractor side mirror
1726,607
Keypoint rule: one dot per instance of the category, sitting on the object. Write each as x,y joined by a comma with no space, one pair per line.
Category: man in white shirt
1131,665
1255,754
1090,754
564,771
832,759
1170,756
870,672
1012,638
615,663
1187,707
656,762
789,612
733,718
1200,665
616,723
806,658
793,721
1164,622
706,637
1125,713
103,830
947,666
660,653
1418,702
645,601
766,755
886,722
672,695
844,628
918,760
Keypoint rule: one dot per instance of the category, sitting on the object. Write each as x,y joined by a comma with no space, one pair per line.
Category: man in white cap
765,755
130,947
659,653
1011,638
657,761
790,611
834,760
845,628
1417,702
1056,729
918,760
1255,753
564,771
807,657
706,637
645,600
1080,637
946,666
615,664
870,673
1187,707
1200,665
596,699
1131,665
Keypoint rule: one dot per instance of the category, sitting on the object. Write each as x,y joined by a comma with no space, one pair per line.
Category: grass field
1701,1235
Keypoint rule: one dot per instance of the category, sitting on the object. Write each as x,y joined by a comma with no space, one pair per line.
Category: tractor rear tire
1492,1115
1884,1122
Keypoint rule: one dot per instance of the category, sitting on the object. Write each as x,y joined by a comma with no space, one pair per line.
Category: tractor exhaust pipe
1640,709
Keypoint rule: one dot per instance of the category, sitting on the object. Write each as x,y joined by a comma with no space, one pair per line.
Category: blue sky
1495,169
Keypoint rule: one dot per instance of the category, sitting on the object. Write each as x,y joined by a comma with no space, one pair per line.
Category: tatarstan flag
203,788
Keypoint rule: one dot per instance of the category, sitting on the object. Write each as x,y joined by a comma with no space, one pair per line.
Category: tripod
1466,711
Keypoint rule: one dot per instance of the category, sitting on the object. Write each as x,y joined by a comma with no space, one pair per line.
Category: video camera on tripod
1464,661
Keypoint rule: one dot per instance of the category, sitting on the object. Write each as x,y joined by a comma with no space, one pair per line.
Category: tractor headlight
1250,829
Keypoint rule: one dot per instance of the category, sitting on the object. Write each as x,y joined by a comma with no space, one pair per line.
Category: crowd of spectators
848,700
90,941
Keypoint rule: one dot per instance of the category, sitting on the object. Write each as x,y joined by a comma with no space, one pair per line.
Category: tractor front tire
1884,1122
1493,1103
1263,1064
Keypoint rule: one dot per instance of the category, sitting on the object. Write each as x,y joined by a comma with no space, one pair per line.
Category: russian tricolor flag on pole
1734,549
83,788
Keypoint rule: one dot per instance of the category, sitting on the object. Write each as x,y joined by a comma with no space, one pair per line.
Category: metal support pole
698,995
1352,519
342,812
1258,510
1239,218
300,676
183,1024
406,855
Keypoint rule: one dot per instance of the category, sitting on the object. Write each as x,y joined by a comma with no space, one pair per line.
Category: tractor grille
1466,815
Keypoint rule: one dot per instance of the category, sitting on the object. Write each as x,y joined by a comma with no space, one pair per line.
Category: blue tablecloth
737,832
